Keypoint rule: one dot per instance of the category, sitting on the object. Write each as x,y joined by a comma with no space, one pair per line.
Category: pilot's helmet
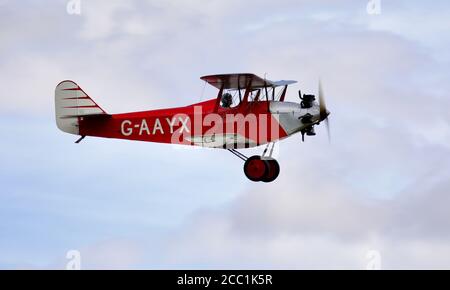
227,100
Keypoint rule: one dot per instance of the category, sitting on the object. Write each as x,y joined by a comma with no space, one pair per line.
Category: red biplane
248,111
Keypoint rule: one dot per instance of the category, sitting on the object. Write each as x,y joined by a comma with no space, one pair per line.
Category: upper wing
241,81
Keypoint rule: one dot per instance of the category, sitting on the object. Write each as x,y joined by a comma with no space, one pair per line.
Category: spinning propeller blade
323,112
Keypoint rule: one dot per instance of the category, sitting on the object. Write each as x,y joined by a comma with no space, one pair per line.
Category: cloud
312,220
113,254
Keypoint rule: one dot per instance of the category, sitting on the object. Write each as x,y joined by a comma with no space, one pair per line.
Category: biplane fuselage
241,127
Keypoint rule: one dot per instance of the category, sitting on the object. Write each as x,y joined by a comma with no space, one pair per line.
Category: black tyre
273,172
255,168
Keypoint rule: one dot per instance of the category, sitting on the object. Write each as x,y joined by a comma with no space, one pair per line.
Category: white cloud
310,224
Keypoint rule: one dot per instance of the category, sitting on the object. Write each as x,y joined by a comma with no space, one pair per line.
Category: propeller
323,112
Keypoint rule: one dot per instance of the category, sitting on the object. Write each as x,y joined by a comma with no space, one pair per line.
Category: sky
379,189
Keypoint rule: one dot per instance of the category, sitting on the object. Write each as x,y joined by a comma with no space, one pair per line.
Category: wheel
273,172
255,168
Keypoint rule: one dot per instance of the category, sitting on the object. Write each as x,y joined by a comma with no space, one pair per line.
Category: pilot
227,100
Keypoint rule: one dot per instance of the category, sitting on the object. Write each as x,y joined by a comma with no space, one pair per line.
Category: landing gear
259,168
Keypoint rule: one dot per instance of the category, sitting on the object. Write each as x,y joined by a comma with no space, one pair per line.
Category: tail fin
72,103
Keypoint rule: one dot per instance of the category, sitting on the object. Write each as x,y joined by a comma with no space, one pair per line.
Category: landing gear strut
259,168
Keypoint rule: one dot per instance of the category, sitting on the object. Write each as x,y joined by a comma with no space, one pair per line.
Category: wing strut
239,88
283,95
267,96
257,95
219,97
247,92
